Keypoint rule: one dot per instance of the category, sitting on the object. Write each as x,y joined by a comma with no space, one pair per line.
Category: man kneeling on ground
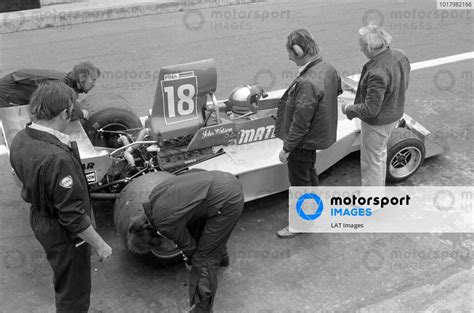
197,211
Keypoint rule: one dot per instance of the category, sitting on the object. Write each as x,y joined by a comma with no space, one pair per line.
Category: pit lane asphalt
310,272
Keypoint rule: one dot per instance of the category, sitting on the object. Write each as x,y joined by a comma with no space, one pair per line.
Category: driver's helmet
244,99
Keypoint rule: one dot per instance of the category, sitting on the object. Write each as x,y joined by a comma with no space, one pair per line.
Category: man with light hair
17,87
379,101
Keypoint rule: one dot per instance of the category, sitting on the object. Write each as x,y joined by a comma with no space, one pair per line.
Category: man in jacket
49,167
17,87
307,113
197,211
379,101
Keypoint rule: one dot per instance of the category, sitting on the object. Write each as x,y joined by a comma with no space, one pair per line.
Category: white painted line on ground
414,67
3,150
441,61
433,62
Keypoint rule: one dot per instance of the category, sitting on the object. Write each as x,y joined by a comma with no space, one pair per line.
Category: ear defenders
297,50
69,113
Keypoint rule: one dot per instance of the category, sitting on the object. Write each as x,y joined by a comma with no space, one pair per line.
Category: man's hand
187,261
188,265
85,113
283,156
90,236
104,252
343,107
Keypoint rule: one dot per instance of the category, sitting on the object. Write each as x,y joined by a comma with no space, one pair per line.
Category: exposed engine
139,153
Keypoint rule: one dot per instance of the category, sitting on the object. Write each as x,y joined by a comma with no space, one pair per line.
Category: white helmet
244,99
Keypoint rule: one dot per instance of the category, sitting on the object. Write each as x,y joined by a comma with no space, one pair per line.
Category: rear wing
180,96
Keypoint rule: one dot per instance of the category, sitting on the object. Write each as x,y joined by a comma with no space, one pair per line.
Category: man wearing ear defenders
17,87
197,211
307,113
49,167
379,101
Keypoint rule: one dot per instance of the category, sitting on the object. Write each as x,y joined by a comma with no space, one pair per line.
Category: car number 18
179,99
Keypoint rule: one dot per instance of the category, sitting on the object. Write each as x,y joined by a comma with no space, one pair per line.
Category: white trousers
373,153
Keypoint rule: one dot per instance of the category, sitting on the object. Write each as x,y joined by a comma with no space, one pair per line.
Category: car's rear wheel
405,154
96,102
129,205
105,126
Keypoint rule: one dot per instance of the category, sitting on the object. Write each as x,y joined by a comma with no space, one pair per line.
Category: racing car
124,156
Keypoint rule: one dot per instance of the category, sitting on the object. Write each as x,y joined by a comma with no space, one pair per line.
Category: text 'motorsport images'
236,156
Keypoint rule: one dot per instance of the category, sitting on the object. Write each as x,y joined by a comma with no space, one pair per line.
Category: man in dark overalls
198,212
49,167
17,87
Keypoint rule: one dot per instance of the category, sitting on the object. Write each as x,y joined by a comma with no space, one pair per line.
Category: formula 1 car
124,156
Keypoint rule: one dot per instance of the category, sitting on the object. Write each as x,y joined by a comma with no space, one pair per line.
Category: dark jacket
181,200
307,113
53,180
380,97
17,87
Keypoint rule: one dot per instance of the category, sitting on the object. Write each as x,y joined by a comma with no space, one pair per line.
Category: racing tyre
129,205
110,119
405,154
96,102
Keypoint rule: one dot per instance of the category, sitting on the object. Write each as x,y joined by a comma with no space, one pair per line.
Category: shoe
225,260
286,233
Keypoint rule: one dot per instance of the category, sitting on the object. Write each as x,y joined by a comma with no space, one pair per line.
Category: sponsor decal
66,182
221,131
91,177
256,134
88,166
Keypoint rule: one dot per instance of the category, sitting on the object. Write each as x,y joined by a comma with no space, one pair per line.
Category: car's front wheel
129,206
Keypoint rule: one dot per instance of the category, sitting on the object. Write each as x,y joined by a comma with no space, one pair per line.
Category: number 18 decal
179,99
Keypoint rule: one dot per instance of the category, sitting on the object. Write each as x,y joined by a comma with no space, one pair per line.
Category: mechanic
379,101
49,167
16,88
307,112
197,211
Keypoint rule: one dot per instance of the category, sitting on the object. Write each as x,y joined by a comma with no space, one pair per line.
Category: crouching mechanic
197,211
49,167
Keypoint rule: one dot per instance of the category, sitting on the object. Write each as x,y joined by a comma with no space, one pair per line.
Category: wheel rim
166,250
405,162
109,140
